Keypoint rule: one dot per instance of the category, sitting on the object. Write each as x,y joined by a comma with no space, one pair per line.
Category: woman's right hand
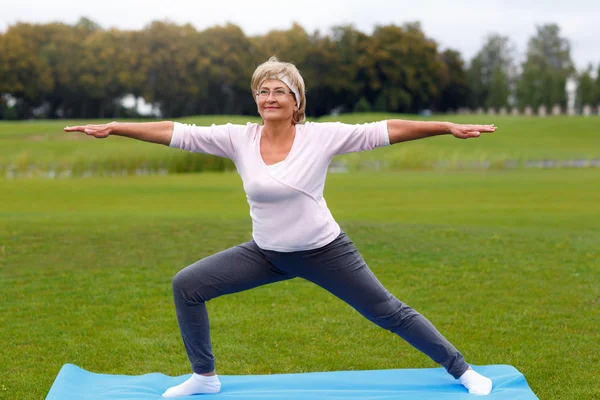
97,131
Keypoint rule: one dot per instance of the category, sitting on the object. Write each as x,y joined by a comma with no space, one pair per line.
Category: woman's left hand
470,131
98,131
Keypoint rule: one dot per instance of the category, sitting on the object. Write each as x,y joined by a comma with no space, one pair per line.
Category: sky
458,24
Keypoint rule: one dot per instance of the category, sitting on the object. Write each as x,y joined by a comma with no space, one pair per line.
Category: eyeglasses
277,93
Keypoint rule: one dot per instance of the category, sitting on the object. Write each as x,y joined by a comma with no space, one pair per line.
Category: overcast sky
457,24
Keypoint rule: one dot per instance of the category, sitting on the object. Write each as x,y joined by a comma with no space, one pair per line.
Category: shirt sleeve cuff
385,136
176,137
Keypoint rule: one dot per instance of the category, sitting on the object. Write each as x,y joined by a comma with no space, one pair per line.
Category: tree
3,78
409,70
104,61
82,70
586,91
226,60
171,67
63,50
455,94
44,66
135,69
87,26
330,84
292,45
380,104
27,75
546,69
597,91
355,67
431,70
498,90
362,106
492,72
3,72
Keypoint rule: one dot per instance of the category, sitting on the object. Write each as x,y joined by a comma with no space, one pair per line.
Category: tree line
58,70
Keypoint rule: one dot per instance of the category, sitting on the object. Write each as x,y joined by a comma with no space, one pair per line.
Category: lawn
506,263
37,148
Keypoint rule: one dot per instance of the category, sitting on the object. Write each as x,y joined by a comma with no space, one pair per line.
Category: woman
283,164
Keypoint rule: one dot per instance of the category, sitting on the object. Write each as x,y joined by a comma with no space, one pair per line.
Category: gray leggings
337,267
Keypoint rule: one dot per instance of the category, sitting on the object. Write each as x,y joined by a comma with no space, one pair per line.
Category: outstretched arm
402,130
153,132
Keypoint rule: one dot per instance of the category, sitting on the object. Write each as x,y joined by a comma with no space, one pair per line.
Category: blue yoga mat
75,383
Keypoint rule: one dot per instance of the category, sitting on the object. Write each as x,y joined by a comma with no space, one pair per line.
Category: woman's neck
277,131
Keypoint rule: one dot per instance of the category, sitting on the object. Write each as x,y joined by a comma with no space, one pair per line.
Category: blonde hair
274,67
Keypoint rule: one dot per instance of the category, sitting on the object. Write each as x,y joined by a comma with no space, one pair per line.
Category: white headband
289,84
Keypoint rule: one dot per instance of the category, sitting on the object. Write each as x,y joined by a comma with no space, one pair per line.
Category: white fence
528,111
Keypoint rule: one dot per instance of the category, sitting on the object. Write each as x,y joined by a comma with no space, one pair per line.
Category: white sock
197,384
476,383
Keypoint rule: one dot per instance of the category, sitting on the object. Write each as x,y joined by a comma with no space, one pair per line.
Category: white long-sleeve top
286,201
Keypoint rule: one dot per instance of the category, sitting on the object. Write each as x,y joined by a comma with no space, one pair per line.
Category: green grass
37,147
505,263
517,139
